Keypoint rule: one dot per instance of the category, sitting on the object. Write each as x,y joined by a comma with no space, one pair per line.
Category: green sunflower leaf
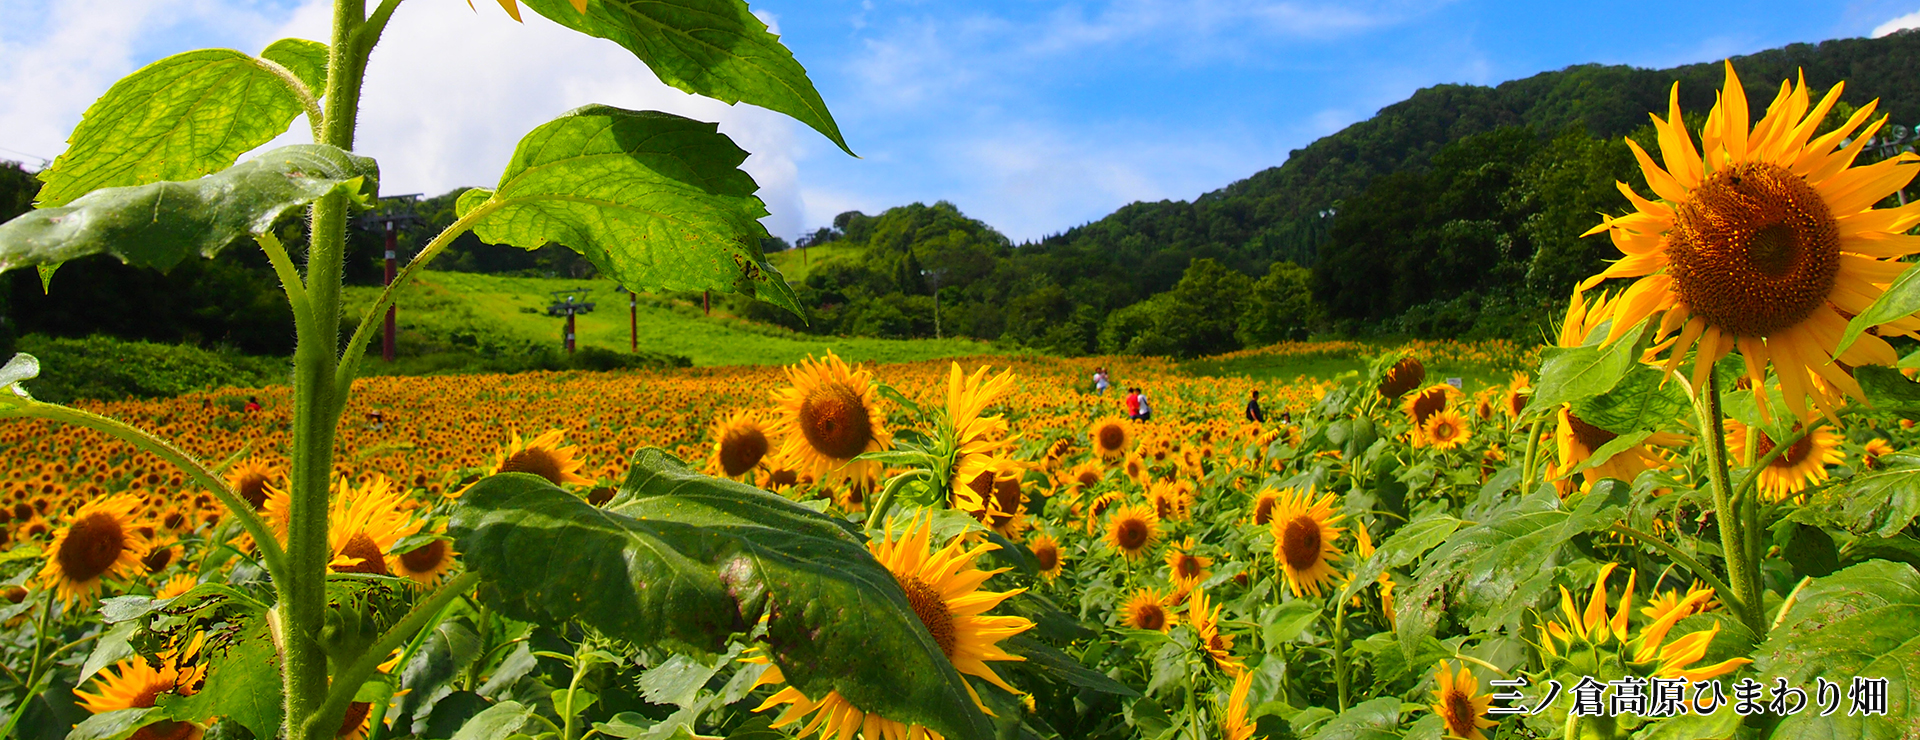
1862,622
1377,719
685,560
1880,503
1889,390
1644,400
307,60
1491,572
1400,549
242,680
115,725
158,224
653,200
184,116
716,48
1575,373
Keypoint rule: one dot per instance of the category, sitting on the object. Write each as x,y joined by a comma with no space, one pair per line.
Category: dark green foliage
104,368
1197,317
1280,307
233,301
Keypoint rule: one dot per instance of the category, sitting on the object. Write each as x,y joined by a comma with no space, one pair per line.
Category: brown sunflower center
1047,555
157,559
1755,250
1460,714
363,548
1300,543
1794,455
1263,510
1130,534
1148,615
1444,431
536,460
1186,566
1404,376
425,558
356,715
742,449
835,422
1087,478
253,488
1112,437
92,546
1589,436
932,611
1428,403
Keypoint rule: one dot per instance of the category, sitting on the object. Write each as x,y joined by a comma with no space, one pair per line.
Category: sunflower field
1692,516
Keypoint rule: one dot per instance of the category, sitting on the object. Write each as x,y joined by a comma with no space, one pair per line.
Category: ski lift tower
395,212
568,304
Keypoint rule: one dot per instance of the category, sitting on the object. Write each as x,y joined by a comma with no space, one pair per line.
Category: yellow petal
513,9
1795,143
1662,183
1857,189
1820,161
1734,117
1676,144
1773,125
580,5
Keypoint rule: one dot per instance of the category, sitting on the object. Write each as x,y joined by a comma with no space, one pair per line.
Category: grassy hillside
796,263
492,315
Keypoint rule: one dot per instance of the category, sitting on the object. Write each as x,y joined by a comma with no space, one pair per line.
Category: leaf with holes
159,224
686,560
1863,621
184,116
716,48
653,200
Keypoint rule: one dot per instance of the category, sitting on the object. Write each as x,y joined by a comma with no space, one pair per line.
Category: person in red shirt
1133,403
253,404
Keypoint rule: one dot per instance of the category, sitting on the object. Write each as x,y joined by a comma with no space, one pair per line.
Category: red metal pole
633,322
569,330
706,302
386,340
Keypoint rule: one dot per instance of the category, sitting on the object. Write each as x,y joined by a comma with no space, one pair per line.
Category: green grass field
1334,363
796,263
492,314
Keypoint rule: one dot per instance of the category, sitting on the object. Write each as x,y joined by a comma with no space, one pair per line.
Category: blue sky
1032,116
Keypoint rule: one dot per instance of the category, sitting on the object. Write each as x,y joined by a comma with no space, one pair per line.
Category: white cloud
1910,20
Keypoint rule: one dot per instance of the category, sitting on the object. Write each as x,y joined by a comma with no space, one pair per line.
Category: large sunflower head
1457,699
829,416
101,540
1046,555
1264,503
426,563
1404,376
1432,400
136,684
739,445
1445,430
363,524
943,589
1575,440
1303,537
1133,529
250,477
1147,610
1793,471
1184,565
543,456
1110,438
1765,239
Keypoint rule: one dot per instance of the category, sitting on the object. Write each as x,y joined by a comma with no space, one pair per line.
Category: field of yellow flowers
1100,576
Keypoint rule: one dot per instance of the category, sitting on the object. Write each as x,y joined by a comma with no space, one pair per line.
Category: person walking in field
1144,409
1133,403
1253,409
1100,381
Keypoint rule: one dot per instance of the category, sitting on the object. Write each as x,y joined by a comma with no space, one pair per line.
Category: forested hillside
1454,213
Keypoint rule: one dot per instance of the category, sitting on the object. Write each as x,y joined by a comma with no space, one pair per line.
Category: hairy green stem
289,280
1339,652
420,618
1533,456
1733,547
887,494
140,438
580,668
1726,594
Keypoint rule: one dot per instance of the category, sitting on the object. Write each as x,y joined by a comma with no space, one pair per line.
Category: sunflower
978,442
1133,529
1187,568
1233,722
1580,630
1085,476
1445,430
740,445
1099,506
1303,537
1514,400
1765,240
1110,438
1205,618
941,587
364,523
1046,555
1575,441
1263,503
1458,701
249,479
994,497
1800,466
179,584
425,564
1434,399
1404,376
102,540
1876,448
827,418
136,684
543,456
1147,610
1698,598
1363,548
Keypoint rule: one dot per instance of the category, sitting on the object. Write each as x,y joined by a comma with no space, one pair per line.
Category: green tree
1280,306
